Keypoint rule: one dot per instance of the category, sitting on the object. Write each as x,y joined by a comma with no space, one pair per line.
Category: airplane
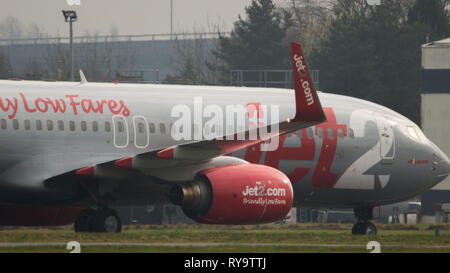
72,150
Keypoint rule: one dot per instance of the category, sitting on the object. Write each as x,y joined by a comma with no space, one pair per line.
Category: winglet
308,107
82,77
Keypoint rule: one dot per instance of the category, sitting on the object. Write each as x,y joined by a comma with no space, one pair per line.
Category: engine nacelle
236,194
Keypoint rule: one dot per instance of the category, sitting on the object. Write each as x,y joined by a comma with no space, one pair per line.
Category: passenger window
94,126
152,127
38,125
60,125
120,126
340,132
309,132
141,127
107,126
83,126
299,134
3,124
351,134
162,128
27,124
72,125
49,125
330,133
320,132
15,124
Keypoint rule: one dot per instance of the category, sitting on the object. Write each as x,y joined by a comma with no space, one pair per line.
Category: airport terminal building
435,112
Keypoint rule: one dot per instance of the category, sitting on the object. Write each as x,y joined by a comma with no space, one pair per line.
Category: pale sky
129,16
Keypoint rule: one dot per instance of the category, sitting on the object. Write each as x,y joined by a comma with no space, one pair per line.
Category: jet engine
235,194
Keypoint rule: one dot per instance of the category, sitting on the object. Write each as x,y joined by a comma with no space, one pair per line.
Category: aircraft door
141,132
121,137
386,135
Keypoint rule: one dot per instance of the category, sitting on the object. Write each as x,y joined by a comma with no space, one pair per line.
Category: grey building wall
435,112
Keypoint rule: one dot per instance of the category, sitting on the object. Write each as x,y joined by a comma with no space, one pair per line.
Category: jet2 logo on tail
300,66
305,84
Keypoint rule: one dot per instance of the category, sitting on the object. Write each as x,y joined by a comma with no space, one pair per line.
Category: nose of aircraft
445,166
441,163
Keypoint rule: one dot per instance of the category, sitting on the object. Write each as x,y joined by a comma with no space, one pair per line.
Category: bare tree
312,19
57,60
11,28
194,60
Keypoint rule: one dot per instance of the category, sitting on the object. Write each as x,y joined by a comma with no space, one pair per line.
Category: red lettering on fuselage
59,105
322,176
10,104
305,151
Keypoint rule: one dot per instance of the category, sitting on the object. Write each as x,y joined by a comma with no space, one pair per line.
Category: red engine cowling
21,215
236,194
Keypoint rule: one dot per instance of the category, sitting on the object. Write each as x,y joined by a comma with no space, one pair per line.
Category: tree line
369,52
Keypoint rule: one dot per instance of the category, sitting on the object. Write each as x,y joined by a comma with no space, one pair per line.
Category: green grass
391,238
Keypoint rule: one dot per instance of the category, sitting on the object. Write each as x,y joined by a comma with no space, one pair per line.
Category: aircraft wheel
106,220
82,222
366,228
357,229
370,229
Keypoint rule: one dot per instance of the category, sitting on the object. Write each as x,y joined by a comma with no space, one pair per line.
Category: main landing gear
363,226
101,220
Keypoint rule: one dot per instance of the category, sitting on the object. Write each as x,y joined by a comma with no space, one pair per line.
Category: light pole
71,16
171,19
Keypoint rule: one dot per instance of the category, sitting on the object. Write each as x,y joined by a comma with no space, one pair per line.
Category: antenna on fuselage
82,77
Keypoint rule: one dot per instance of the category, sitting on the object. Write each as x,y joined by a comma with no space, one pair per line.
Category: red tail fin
307,101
